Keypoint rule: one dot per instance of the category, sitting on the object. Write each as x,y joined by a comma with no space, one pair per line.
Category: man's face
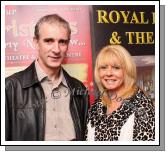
52,45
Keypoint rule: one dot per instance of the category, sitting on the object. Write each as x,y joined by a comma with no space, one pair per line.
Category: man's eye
48,40
63,42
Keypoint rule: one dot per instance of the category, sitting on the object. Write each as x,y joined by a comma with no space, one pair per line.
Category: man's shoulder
76,81
18,76
72,80
13,80
15,76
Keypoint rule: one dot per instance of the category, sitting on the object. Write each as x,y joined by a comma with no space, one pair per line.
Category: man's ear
35,41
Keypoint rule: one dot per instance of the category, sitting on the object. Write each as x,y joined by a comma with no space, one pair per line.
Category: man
43,102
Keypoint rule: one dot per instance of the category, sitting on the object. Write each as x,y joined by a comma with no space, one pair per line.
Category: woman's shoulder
96,112
96,107
143,99
96,104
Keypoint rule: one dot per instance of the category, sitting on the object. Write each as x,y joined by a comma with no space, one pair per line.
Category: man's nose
55,47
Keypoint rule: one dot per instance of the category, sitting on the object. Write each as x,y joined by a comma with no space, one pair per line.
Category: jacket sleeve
144,128
86,105
8,97
7,132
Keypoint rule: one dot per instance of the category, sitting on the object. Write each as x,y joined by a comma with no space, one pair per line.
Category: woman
122,112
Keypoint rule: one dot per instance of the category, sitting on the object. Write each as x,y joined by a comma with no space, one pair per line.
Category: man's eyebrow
52,39
48,39
66,40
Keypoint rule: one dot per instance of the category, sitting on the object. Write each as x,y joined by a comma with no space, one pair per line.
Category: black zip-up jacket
25,106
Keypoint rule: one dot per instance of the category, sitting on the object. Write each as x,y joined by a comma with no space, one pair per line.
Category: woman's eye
103,67
116,67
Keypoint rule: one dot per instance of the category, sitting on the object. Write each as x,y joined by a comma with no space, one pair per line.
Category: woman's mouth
111,81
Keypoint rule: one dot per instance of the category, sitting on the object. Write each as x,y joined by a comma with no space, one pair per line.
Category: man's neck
53,74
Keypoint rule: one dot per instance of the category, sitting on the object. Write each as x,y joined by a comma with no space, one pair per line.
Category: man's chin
55,66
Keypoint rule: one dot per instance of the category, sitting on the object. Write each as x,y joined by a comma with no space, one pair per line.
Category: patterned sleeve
144,127
91,117
86,130
87,122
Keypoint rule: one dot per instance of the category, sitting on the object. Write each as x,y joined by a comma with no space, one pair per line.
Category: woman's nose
109,71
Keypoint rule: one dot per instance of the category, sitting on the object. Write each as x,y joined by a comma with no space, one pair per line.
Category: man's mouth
55,57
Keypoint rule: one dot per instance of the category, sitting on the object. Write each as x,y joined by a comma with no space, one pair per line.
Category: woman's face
111,77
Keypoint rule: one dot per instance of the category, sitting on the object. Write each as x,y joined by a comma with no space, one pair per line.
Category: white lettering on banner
76,54
10,12
12,45
77,42
20,30
29,44
19,57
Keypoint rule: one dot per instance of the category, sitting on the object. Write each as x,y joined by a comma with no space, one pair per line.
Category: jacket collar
71,84
30,76
76,87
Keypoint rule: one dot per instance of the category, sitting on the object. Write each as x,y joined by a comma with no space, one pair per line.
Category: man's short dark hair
51,19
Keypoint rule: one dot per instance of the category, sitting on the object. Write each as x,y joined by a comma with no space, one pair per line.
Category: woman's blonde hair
114,54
